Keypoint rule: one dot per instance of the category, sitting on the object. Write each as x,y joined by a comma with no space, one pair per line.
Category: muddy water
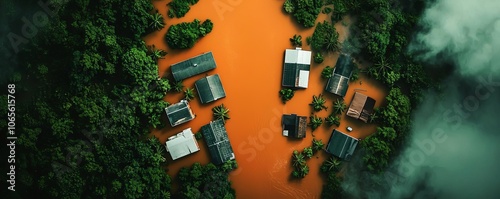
248,42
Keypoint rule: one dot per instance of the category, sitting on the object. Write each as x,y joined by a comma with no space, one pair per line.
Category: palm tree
339,106
157,22
332,164
332,120
286,94
332,43
308,152
296,40
156,53
315,122
221,112
373,117
317,145
189,94
304,170
382,66
318,103
298,159
178,86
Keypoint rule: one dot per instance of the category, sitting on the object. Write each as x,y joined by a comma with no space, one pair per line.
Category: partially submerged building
341,145
296,68
361,107
182,144
219,147
193,66
179,113
210,89
338,83
294,126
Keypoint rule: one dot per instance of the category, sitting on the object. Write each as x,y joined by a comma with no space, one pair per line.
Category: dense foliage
206,181
304,11
296,40
221,113
179,8
327,72
380,34
325,38
300,168
315,122
185,34
90,93
318,58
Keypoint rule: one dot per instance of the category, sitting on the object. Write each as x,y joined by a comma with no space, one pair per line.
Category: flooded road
248,42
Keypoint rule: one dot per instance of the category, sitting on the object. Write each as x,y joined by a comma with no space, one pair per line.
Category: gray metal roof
210,88
179,113
296,60
215,136
341,145
339,82
193,66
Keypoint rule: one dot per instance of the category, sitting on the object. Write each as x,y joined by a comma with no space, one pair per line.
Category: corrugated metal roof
341,145
193,66
210,88
182,144
339,82
361,107
215,136
179,113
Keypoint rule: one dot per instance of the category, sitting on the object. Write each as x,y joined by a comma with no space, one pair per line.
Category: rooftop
294,126
339,82
182,144
179,113
210,88
341,145
296,68
219,147
193,66
361,107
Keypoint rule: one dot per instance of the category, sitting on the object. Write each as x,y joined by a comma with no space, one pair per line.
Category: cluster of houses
296,69
209,89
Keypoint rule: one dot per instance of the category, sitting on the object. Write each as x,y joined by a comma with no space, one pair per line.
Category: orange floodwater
248,43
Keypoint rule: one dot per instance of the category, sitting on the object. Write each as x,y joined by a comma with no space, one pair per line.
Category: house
182,144
193,66
210,88
339,82
179,113
294,126
361,107
341,145
219,147
296,68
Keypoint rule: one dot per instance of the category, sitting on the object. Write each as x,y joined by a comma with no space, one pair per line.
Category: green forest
85,117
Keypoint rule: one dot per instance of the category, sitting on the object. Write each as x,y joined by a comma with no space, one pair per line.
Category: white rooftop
182,144
298,56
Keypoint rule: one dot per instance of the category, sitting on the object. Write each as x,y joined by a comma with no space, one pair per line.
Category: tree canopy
186,34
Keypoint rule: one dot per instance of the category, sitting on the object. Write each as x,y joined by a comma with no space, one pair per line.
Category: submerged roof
219,147
179,113
294,126
182,144
339,82
361,107
296,68
341,145
193,66
210,88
